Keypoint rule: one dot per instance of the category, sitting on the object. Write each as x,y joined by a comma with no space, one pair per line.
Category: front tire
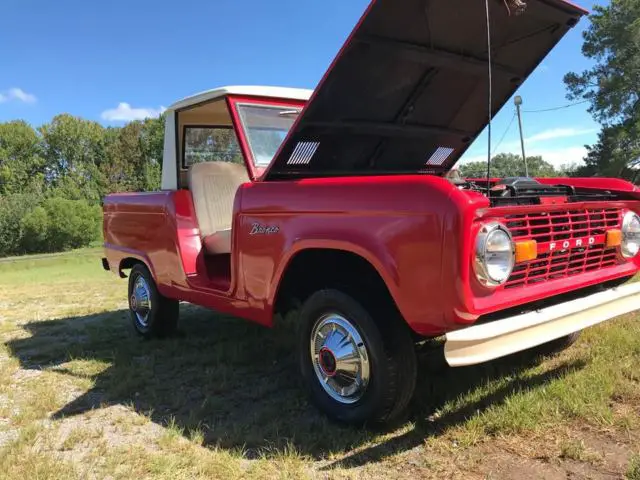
358,367
558,345
152,314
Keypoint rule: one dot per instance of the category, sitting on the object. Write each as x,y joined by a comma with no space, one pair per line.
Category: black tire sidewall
374,398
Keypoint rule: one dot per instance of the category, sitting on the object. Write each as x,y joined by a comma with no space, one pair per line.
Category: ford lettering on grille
569,243
574,243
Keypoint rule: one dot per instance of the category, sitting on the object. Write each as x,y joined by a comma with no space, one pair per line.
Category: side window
210,144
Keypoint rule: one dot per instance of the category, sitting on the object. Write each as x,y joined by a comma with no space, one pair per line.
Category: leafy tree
74,149
616,154
53,179
13,208
509,165
134,155
152,140
21,164
124,158
35,226
611,87
61,224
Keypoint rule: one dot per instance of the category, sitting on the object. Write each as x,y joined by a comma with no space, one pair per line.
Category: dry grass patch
82,397
576,450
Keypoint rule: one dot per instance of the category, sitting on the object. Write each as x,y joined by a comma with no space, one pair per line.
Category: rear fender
122,258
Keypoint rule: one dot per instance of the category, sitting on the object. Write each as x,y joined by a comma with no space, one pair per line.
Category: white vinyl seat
213,187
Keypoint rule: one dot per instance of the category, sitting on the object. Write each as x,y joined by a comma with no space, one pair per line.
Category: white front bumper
498,338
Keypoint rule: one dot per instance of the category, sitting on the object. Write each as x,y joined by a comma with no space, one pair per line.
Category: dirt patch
596,455
502,465
108,428
22,374
8,436
573,451
613,449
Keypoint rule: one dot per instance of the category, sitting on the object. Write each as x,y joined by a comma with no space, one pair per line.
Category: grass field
82,397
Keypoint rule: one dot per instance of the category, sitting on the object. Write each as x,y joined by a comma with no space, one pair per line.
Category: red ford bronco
337,204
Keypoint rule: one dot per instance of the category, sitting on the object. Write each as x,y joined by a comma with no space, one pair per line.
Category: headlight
630,235
495,255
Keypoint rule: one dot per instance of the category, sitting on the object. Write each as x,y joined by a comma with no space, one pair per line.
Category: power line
556,108
504,134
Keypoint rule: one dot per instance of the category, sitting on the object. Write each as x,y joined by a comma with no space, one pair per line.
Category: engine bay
529,191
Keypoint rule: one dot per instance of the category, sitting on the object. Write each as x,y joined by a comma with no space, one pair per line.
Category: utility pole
518,101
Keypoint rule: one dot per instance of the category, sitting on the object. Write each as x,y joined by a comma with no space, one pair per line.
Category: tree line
512,165
611,87
53,178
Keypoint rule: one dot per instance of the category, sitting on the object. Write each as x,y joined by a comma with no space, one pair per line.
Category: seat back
213,187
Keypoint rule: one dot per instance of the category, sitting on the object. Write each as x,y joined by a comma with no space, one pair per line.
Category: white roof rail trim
249,90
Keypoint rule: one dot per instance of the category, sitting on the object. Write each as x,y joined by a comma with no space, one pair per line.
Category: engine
525,190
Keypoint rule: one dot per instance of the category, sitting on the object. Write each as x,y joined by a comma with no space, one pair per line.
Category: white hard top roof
253,91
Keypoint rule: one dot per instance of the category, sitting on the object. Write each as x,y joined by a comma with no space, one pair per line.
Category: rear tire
152,314
357,366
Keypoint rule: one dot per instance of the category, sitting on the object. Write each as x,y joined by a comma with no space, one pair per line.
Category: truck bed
150,227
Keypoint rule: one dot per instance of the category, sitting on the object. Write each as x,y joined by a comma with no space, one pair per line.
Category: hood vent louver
439,156
303,153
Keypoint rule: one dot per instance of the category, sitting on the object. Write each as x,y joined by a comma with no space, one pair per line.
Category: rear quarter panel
146,226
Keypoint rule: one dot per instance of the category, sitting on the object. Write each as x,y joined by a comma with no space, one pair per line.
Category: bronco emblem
258,229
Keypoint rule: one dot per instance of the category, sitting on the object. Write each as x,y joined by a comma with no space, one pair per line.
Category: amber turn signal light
614,238
526,250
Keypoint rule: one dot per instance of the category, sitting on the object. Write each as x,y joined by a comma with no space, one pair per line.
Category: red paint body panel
417,231
614,184
160,229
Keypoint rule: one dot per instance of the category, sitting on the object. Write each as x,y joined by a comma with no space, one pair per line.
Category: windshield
266,127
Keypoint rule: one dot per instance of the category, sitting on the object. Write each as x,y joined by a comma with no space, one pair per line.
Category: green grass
633,472
52,268
81,395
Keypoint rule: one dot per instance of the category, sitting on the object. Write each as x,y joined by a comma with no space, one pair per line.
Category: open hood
407,92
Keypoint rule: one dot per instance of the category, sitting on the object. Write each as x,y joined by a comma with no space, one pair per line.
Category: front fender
398,224
404,248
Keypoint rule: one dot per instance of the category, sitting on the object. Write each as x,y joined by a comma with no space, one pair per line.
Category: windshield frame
235,102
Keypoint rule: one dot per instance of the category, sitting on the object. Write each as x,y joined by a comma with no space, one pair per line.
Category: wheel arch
127,263
358,268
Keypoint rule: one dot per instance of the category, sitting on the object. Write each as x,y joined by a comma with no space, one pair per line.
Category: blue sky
117,60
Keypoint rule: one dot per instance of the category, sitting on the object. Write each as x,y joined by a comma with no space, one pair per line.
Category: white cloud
559,133
559,157
124,112
17,94
546,136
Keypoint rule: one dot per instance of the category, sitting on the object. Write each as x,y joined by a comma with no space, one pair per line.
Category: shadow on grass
237,383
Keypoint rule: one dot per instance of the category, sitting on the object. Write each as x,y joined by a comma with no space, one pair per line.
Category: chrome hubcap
140,301
340,359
